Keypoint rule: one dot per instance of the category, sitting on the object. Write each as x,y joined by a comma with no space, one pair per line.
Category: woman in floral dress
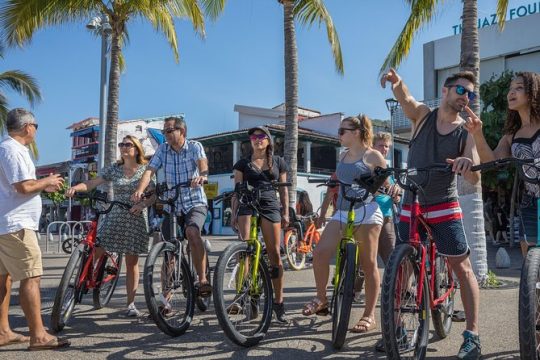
124,231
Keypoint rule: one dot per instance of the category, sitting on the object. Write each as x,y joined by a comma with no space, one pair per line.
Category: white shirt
17,211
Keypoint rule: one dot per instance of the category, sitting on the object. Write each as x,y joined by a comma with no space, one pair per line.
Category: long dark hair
531,83
304,203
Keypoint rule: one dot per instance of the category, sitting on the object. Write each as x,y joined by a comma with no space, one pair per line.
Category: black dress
269,206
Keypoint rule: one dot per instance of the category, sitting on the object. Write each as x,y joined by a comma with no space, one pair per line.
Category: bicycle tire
399,335
248,326
67,290
529,315
441,316
342,298
171,309
203,303
67,245
107,278
296,260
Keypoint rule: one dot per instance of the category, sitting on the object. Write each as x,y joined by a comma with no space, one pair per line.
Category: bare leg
30,299
132,277
197,251
470,293
324,251
271,235
6,334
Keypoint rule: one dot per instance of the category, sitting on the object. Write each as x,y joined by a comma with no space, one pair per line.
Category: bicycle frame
256,245
348,238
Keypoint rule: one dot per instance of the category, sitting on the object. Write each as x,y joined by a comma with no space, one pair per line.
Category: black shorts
195,217
268,209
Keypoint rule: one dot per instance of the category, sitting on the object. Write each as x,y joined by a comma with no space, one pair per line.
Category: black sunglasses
462,90
126,145
341,130
35,125
170,130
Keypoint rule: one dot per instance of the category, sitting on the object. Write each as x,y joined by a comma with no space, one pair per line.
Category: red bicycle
417,280
84,272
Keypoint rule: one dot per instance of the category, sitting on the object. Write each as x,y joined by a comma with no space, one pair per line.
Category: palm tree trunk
113,100
470,196
291,96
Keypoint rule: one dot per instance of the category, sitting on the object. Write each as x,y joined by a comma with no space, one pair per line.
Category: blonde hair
362,123
382,136
140,152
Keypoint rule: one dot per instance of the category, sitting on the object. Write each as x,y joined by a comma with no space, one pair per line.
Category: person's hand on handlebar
460,165
137,196
198,181
70,192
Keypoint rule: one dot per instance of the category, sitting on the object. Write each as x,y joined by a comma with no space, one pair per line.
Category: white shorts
370,214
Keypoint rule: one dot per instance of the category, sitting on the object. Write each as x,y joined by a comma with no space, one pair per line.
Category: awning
157,135
85,132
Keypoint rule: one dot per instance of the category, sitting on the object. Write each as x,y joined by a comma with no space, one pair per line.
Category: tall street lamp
391,105
101,25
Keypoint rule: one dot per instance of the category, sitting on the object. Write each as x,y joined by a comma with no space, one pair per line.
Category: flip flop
19,339
204,289
55,343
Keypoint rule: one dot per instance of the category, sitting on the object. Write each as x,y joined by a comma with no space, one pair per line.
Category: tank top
429,147
347,172
526,148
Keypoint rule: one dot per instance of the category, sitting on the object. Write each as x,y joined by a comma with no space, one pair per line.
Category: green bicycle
242,283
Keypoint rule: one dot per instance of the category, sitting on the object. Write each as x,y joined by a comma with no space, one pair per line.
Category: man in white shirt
20,210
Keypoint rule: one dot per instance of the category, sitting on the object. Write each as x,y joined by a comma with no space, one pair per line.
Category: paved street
107,334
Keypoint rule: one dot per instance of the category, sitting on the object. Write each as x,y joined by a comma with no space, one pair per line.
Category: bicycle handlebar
332,183
101,196
243,189
525,175
163,188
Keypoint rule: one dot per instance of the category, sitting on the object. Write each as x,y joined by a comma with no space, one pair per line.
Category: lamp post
391,105
101,25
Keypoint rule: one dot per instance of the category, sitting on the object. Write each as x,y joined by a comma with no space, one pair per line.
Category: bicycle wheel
529,310
203,303
107,278
296,259
343,296
68,293
405,320
168,289
442,314
67,245
243,308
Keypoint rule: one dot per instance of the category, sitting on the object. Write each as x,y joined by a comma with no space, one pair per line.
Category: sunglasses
341,130
126,145
34,124
461,90
170,130
255,137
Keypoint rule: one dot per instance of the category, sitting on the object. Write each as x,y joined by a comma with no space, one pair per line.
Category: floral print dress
120,231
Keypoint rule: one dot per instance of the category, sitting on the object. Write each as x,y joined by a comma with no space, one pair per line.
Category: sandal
203,289
364,325
315,306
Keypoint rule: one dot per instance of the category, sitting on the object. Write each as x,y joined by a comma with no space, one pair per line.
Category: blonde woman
355,134
124,231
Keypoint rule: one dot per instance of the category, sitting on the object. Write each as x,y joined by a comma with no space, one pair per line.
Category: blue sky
239,62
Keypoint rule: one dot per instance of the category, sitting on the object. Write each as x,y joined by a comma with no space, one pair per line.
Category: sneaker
470,349
279,311
132,311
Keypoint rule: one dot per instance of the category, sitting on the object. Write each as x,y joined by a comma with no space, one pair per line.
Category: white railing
67,231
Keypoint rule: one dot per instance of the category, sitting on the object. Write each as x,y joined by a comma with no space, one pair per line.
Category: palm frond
22,83
421,14
33,149
502,8
21,18
162,20
308,12
189,9
3,113
213,8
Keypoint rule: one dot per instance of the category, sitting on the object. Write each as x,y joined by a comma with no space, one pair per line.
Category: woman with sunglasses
258,170
124,231
355,134
521,139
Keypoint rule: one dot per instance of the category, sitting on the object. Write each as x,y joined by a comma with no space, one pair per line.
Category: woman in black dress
260,169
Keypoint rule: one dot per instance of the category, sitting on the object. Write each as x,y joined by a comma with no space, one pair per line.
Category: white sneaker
132,311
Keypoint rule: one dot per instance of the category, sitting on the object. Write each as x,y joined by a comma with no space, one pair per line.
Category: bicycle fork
256,246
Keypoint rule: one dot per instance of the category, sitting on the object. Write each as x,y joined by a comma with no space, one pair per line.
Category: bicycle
169,276
411,290
529,284
299,240
83,272
347,256
242,279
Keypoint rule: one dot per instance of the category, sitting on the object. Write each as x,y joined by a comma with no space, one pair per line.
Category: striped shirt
180,167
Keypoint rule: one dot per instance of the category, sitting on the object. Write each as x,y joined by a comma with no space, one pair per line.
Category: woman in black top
260,169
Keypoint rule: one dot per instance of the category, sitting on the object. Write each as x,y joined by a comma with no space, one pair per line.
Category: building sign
211,190
513,13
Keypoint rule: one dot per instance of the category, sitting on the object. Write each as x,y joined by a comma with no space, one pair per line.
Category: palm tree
23,84
22,18
421,13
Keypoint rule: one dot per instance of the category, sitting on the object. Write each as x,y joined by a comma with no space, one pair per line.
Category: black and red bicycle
84,271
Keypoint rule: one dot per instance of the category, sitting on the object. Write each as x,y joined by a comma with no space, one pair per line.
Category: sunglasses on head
257,137
341,130
126,145
170,130
462,90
